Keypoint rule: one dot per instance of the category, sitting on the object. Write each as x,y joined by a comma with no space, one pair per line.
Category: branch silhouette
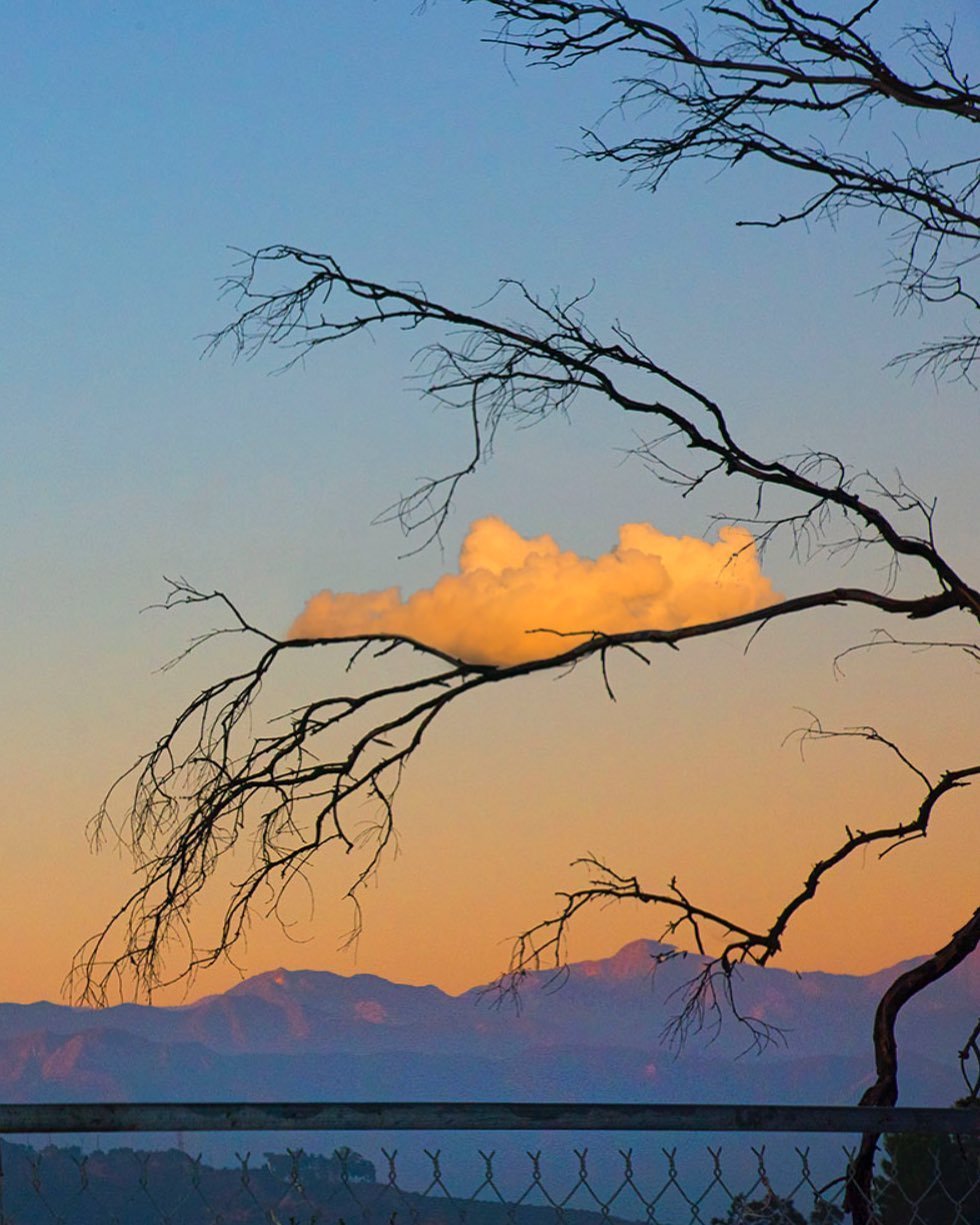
747,81
753,81
205,782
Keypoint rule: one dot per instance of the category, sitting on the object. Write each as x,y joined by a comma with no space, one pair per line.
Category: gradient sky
143,144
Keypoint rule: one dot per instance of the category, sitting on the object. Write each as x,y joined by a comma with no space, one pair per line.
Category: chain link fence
925,1177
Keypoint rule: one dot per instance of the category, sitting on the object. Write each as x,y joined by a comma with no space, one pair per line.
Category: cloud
508,585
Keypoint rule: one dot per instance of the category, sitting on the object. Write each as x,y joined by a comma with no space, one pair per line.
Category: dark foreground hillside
128,1187
922,1180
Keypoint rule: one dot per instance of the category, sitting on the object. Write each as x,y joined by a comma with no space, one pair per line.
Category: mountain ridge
308,1034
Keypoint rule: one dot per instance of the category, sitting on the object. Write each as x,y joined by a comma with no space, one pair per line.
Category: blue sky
142,145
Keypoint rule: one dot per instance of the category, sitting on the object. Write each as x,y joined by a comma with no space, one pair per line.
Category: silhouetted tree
770,1210
930,1180
826,1213
342,1166
733,81
729,82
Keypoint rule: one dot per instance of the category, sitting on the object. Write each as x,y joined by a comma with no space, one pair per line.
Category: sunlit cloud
508,585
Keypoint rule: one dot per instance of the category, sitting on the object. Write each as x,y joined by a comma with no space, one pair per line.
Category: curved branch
882,638
884,1092
971,1051
504,371
736,86
206,782
543,945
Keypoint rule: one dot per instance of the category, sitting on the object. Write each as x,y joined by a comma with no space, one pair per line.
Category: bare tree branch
206,782
882,638
751,80
749,85
543,945
505,372
971,1077
884,1092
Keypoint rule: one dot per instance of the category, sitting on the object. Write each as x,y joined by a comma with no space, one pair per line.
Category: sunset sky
145,145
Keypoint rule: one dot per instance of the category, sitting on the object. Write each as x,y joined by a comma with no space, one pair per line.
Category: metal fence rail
48,1118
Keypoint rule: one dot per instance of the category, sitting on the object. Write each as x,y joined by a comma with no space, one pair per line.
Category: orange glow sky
685,773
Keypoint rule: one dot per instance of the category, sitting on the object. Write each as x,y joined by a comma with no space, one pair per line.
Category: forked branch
210,787
774,81
543,945
859,1199
209,783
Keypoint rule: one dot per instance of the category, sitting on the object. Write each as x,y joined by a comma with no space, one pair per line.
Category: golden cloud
508,585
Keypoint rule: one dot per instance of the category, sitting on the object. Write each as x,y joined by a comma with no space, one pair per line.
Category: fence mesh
922,1180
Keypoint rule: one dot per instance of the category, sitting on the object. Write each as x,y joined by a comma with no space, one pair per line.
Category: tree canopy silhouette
768,80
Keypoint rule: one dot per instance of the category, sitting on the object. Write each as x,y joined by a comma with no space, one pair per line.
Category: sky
146,147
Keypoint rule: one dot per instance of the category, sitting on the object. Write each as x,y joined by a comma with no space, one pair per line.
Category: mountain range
593,1035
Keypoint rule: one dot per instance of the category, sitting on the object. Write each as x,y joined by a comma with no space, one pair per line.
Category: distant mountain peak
275,985
637,959
316,1034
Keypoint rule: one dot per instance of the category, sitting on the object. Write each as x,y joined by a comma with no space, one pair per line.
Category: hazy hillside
310,1035
120,1184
